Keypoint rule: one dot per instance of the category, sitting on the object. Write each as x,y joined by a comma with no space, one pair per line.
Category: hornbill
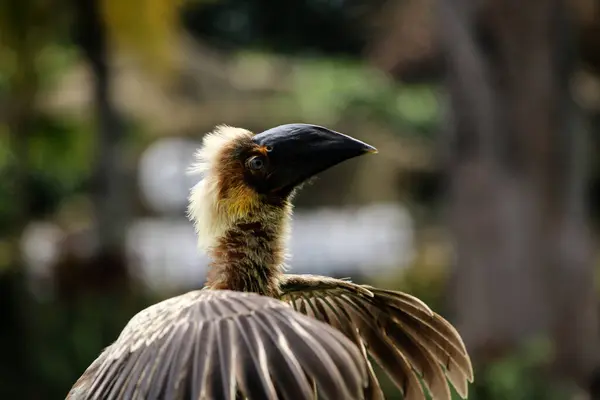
255,332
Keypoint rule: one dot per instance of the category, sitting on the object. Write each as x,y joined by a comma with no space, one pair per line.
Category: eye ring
255,163
269,148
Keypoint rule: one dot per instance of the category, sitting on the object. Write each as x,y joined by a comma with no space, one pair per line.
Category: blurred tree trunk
106,268
23,44
14,299
109,180
517,177
13,279
98,279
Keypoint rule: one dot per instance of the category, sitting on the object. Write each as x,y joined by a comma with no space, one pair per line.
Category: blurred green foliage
57,162
517,377
342,87
520,376
332,89
66,342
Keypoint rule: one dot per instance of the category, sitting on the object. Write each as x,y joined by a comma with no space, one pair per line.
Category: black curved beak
297,152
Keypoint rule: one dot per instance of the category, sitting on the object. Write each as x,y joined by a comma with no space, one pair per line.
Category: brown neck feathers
249,256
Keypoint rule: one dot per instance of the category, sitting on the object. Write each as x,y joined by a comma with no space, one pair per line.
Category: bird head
245,174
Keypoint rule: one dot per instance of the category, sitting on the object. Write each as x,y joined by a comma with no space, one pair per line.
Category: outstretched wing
399,331
216,344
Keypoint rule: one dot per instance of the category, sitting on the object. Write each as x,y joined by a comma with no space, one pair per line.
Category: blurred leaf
325,88
418,105
147,27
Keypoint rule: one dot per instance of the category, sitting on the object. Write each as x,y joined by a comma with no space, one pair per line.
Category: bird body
255,331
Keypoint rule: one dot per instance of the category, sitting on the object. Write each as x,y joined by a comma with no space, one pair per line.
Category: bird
254,331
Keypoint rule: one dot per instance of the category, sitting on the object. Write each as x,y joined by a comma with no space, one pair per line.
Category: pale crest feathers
203,209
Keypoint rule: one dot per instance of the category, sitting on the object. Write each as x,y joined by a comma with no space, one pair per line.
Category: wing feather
229,345
446,332
421,360
323,354
118,389
341,320
288,375
179,369
140,368
255,380
386,353
149,374
399,331
227,352
162,362
201,368
106,376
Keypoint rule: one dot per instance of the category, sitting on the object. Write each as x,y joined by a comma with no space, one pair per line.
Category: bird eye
269,148
255,163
